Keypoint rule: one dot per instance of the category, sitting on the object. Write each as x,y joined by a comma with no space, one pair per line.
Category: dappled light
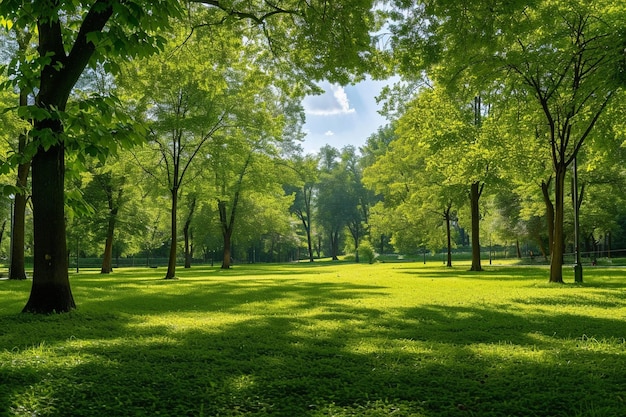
339,340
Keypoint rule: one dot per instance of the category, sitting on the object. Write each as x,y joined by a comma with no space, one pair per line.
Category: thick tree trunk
51,291
171,264
475,193
558,241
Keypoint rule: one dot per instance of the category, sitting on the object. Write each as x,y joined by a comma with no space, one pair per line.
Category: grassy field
400,339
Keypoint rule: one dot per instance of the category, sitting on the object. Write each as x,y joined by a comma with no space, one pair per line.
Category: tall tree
67,38
306,173
324,38
571,71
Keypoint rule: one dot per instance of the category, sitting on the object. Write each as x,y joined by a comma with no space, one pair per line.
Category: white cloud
331,103
329,133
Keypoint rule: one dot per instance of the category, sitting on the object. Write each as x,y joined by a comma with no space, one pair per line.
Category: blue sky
342,115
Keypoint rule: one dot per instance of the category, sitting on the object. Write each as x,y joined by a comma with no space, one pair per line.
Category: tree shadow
301,348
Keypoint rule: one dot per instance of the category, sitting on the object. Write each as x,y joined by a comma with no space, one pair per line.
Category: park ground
321,339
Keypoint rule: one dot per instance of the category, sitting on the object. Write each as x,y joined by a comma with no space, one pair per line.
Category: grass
402,339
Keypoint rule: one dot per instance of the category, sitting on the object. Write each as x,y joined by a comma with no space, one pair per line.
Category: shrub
367,253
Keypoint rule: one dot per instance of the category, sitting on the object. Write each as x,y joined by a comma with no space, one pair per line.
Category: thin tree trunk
18,229
227,229
187,233
545,190
334,245
107,259
475,193
171,264
187,248
18,264
448,236
226,259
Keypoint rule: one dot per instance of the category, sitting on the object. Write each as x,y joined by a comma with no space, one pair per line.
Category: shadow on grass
301,348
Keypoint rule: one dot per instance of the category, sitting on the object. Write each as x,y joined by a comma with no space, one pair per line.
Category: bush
367,253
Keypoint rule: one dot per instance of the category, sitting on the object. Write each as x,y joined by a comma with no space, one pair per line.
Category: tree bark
107,259
187,234
227,229
545,189
18,229
558,241
226,259
446,215
476,190
17,269
307,224
51,291
171,263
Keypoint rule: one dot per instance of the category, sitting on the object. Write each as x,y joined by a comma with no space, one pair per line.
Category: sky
342,115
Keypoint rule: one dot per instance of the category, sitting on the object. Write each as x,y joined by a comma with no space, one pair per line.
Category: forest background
173,130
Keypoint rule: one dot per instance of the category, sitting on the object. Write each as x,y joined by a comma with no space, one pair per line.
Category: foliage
401,339
367,252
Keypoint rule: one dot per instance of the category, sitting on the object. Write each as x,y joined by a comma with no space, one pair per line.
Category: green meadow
322,339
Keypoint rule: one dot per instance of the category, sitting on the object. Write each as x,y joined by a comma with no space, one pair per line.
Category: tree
333,202
66,45
328,39
417,175
185,99
571,71
306,170
359,198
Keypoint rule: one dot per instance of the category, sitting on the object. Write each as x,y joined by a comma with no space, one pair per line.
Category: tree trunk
188,235
17,269
187,247
545,189
107,259
18,265
307,228
475,193
50,292
227,229
226,259
171,264
448,236
558,241
334,245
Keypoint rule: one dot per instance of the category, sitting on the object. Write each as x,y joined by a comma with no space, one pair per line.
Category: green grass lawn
401,339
